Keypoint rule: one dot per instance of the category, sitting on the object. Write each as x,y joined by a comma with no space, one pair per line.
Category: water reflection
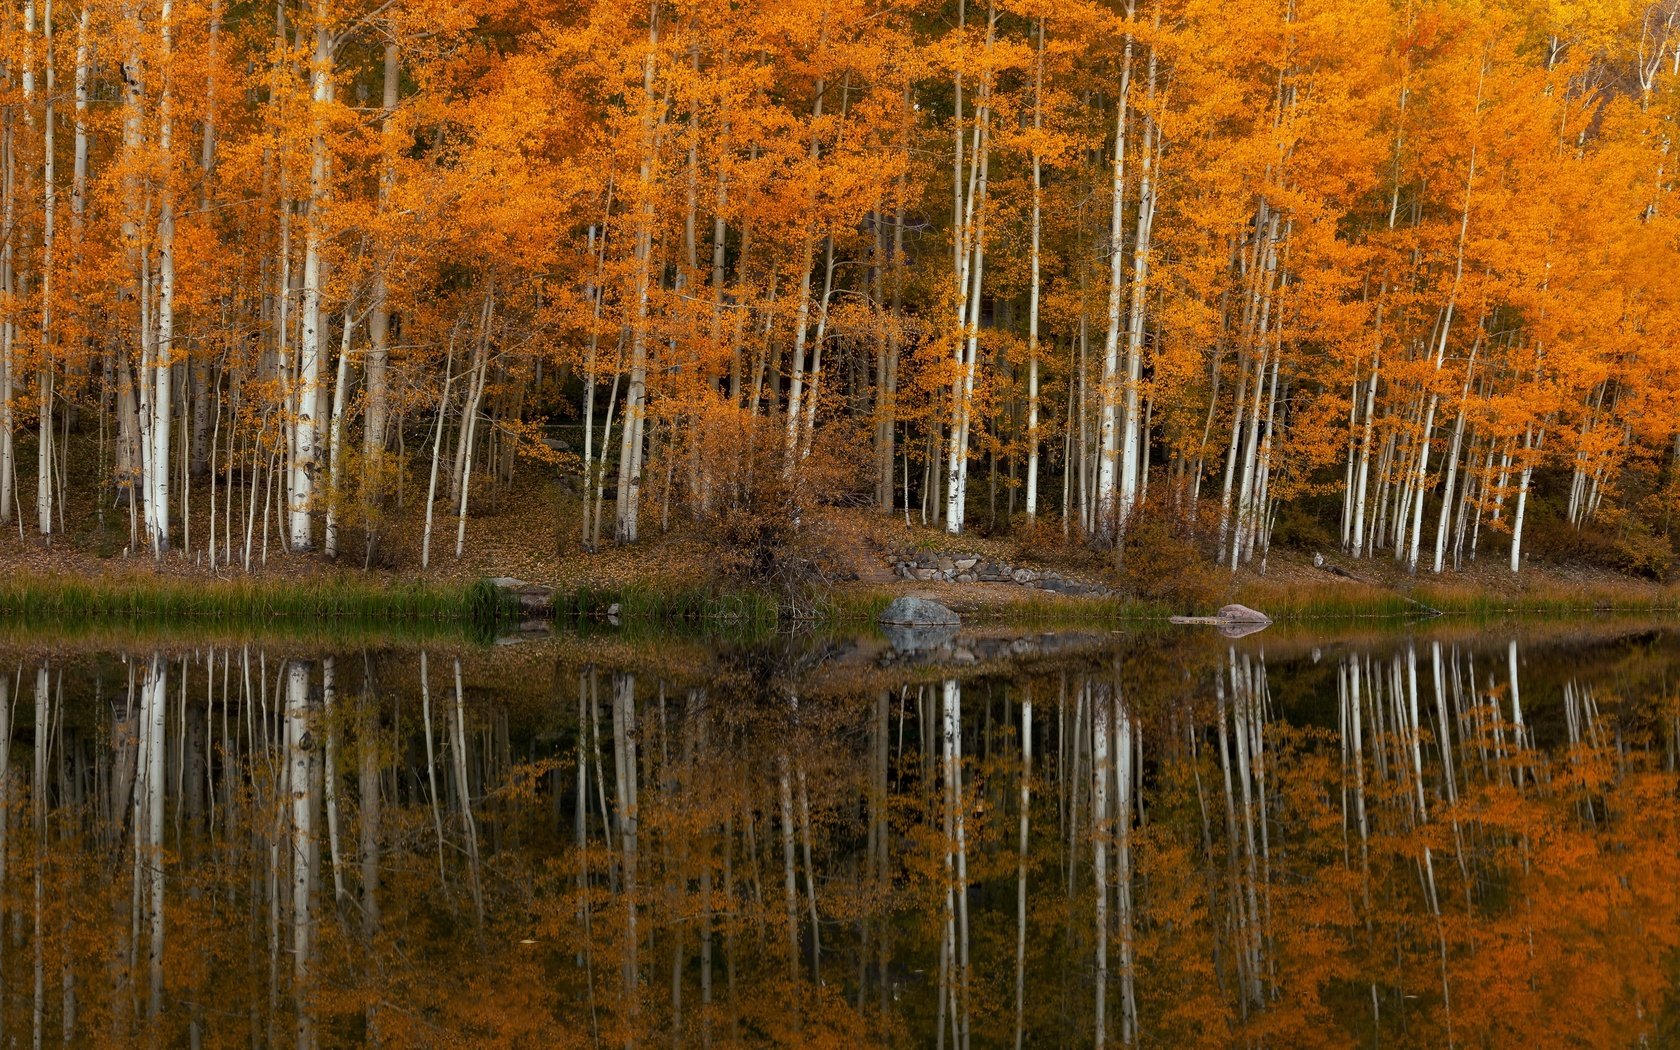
1130,846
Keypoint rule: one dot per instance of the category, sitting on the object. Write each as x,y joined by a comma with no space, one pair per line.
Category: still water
1441,835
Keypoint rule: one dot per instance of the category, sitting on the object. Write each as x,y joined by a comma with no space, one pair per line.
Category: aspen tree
1033,438
635,398
164,363
968,243
45,383
376,362
1134,439
305,421
1108,444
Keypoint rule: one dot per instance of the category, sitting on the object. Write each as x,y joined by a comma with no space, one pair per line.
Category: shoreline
371,605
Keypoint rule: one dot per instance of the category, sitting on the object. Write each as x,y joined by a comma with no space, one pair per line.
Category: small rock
927,574
1023,576
965,564
964,577
1242,614
946,564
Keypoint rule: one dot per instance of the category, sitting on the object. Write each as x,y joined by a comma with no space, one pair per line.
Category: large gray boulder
534,600
1242,614
918,612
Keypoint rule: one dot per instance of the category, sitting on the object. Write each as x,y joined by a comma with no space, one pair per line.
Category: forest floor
532,534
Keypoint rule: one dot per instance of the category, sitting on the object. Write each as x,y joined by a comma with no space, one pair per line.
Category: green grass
337,609
703,608
1359,601
330,607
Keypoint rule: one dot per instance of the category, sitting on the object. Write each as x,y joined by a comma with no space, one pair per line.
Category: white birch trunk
1133,437
628,503
304,468
49,198
1106,438
335,440
437,444
1529,444
1033,439
375,362
163,399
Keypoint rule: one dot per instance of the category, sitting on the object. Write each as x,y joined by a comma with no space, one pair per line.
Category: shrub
1164,561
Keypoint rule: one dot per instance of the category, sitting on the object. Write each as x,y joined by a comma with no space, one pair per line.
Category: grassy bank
334,606
1283,603
351,606
1347,601
370,608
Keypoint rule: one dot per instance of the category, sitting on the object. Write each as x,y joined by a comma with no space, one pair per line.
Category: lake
1447,833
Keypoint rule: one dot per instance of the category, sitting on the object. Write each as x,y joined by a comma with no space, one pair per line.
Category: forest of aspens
840,524
1387,279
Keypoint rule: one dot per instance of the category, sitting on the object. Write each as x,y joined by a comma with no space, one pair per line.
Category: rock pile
971,568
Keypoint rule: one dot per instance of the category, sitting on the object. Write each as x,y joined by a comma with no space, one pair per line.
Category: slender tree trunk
1134,438
437,444
969,211
163,399
1033,439
1107,441
375,363
1362,474
635,398
1448,488
802,312
469,420
49,200
306,421
335,440
1530,442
